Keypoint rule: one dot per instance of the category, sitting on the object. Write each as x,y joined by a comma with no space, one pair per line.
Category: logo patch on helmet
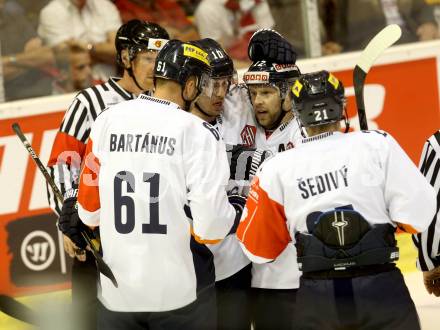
256,77
156,44
296,88
195,52
284,67
333,80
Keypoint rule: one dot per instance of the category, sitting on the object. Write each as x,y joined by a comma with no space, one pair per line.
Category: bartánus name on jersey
147,143
323,183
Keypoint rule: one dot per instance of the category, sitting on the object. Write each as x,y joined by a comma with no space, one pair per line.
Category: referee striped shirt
70,142
428,242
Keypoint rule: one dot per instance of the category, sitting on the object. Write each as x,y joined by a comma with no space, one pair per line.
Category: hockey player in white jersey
274,285
137,43
232,267
152,158
339,197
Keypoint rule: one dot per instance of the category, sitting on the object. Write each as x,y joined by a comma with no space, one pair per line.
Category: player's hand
72,250
331,48
70,224
431,279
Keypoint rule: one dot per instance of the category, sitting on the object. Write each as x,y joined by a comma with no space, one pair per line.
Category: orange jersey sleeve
88,191
67,150
263,230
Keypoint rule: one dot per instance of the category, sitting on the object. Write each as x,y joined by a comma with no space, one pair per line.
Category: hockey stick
17,310
103,268
381,41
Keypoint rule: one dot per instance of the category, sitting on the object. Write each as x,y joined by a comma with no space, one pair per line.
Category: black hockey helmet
318,99
278,75
137,35
221,63
222,66
179,60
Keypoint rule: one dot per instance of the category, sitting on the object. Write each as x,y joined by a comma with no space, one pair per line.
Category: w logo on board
248,135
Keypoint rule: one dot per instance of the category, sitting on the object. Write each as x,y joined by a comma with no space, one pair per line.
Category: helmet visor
218,86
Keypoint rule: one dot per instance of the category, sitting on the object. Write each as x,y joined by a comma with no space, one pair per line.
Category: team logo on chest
248,135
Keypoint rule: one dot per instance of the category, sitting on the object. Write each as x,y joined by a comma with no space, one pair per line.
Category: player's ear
190,89
125,59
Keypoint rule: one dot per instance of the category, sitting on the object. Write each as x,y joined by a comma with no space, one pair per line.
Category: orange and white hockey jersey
365,170
146,159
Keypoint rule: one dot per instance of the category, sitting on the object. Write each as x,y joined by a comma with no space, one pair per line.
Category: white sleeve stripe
89,218
77,119
247,227
427,164
424,251
253,257
428,242
53,201
69,116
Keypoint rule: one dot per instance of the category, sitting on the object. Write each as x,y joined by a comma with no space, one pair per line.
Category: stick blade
384,39
102,267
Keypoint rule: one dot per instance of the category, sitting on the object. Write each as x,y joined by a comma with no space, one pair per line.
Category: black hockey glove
70,224
238,202
245,161
270,46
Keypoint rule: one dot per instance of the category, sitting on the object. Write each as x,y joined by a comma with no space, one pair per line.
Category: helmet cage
213,84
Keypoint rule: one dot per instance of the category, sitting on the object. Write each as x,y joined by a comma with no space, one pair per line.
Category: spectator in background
232,23
28,66
289,22
31,9
167,13
79,73
89,24
189,6
435,4
351,24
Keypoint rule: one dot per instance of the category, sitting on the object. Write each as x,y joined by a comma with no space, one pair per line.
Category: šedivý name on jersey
321,184
147,143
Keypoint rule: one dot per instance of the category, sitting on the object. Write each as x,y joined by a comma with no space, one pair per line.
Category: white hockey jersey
145,160
236,116
283,273
237,123
368,171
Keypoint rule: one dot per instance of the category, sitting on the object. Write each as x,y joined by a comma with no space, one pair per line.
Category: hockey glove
268,45
238,202
245,161
70,224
